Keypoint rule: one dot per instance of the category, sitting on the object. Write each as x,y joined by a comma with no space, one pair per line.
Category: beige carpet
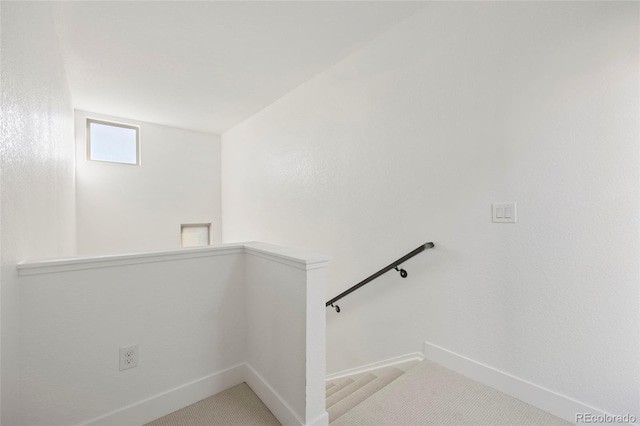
429,394
235,406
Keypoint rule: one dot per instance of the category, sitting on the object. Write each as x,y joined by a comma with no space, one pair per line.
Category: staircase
425,393
348,392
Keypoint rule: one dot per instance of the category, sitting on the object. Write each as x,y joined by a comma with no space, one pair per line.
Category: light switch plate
503,212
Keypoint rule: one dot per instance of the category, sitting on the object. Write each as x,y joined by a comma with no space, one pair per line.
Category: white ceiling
207,65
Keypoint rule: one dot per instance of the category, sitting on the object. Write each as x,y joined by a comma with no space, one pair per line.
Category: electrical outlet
128,357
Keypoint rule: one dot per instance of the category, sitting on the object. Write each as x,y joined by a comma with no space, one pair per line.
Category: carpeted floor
234,407
429,394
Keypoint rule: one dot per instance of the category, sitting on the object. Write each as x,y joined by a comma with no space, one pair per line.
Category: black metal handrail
393,265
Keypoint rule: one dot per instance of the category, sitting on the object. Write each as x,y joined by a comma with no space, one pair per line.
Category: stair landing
429,394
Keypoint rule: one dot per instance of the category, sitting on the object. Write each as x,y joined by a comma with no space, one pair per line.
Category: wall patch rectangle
195,234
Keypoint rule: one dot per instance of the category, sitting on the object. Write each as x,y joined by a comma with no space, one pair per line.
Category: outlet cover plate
128,357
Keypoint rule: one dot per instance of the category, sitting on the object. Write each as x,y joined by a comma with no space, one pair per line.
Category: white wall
411,139
204,319
285,332
186,316
124,208
36,163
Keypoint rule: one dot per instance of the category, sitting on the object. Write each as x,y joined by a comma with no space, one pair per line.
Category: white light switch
503,212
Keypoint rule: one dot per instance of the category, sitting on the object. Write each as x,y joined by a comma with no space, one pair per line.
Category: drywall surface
411,138
207,65
186,316
274,301
125,208
36,163
204,319
285,331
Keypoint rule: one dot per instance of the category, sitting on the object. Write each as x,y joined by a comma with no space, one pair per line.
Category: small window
113,142
195,234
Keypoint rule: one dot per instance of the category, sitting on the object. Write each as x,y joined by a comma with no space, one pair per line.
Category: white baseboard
415,356
322,420
174,399
545,399
283,412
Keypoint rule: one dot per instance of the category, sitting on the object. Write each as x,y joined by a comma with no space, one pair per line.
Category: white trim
303,266
278,406
321,420
107,261
545,399
174,399
391,362
294,258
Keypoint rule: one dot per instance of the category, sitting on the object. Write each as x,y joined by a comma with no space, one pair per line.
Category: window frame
112,124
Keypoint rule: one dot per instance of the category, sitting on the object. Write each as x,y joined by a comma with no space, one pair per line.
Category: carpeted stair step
329,385
429,394
338,385
409,365
354,398
348,390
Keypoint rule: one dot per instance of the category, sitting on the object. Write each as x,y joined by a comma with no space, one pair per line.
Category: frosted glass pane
195,236
113,143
